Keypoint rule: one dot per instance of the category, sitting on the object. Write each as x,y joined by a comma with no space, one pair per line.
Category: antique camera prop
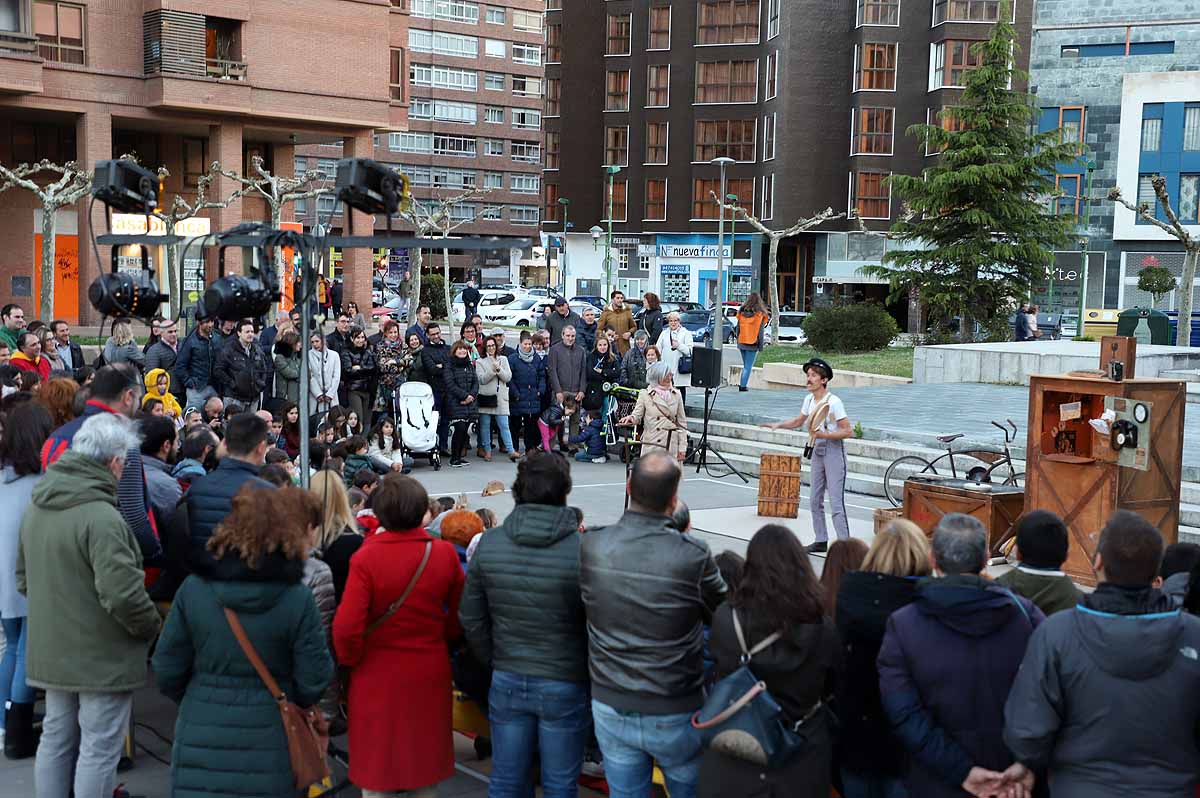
243,296
127,294
125,187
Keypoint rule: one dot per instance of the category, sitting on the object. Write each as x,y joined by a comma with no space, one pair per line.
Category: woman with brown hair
396,619
287,366
338,535
58,396
751,321
228,738
652,319
844,556
870,758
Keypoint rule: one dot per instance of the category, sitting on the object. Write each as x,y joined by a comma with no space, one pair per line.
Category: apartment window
553,42
325,205
327,167
493,115
493,180
195,161
1146,194
527,21
529,152
618,42
443,111
493,81
459,146
732,138
525,86
552,149
493,147
411,142
1116,49
396,75
617,201
658,85
660,28
493,48
878,12
448,10
524,184
773,18
875,67
616,145
417,175
873,131
553,96
552,212
656,142
554,5
491,212
726,81
727,22
1189,205
616,96
462,212
1191,128
768,197
523,214
59,28
426,41
1070,123
872,195
1068,193
952,60
495,16
528,54
656,200
769,136
771,88
526,119
444,177
703,204
965,11
1152,127
443,77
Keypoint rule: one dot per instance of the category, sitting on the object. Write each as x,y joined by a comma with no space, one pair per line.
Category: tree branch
1142,211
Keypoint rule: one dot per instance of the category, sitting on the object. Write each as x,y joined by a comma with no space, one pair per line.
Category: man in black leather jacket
647,590
435,357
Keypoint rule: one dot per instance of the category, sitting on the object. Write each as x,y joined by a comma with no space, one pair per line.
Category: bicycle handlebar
999,427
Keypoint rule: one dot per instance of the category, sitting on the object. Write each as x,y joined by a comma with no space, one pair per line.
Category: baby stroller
418,422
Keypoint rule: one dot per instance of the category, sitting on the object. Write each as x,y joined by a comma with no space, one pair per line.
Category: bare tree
70,185
436,218
774,237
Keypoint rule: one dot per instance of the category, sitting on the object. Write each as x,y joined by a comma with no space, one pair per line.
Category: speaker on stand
706,374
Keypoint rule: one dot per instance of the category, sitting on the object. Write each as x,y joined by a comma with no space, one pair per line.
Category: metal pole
563,251
612,173
1083,248
717,308
309,262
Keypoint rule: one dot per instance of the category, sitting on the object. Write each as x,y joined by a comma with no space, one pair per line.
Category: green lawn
894,362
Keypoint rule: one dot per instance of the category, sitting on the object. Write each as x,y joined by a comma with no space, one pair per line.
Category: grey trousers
83,736
828,476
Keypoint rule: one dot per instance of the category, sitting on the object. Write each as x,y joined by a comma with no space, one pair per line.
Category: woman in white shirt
673,343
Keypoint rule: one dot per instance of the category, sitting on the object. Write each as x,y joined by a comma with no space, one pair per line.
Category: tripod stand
703,447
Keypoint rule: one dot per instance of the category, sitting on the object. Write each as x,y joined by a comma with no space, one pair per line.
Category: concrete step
865,484
1187,375
1189,534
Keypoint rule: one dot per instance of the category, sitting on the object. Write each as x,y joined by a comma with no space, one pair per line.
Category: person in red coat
400,688
28,356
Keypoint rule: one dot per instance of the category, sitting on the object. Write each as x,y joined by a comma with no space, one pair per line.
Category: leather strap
395,605
260,668
761,645
731,710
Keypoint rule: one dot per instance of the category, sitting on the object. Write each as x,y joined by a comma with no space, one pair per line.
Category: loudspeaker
706,367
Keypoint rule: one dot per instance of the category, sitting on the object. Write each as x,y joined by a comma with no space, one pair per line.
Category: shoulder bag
740,719
398,603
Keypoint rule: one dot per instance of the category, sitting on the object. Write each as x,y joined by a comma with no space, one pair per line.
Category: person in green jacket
229,740
90,618
12,322
1042,542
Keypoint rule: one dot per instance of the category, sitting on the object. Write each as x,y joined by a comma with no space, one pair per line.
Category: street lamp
611,170
596,231
722,162
565,203
731,199
1083,247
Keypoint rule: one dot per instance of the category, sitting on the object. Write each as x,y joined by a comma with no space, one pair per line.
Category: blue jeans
632,743
582,456
530,714
748,358
485,432
12,666
862,785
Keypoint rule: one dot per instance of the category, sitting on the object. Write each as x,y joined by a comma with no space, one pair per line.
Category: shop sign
693,250
134,224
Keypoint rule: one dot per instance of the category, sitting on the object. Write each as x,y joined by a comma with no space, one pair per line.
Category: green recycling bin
1159,326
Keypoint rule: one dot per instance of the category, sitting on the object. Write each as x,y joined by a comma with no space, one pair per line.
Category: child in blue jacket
591,436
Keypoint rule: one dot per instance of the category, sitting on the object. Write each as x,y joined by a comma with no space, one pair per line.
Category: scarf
524,357
661,390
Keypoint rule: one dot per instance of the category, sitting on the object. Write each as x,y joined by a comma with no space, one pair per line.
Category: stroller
418,422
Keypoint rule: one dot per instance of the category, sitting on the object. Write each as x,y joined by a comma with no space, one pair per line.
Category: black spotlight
133,295
125,187
369,186
241,296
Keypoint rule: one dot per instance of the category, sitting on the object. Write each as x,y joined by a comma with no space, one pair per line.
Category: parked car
700,325
667,307
593,300
395,308
382,290
522,312
489,298
791,329
542,290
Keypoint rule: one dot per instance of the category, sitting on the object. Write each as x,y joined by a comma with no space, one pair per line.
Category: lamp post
611,170
1083,246
722,162
565,203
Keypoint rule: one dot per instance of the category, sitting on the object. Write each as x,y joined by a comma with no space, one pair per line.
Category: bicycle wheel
1016,480
901,469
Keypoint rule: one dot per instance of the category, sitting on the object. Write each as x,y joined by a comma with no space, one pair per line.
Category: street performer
824,417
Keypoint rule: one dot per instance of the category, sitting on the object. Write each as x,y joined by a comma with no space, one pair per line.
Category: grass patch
893,361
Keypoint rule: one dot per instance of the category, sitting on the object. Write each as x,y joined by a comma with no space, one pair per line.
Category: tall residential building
811,100
180,85
1125,80
471,76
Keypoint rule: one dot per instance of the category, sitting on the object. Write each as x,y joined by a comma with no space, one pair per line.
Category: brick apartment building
472,78
182,83
810,98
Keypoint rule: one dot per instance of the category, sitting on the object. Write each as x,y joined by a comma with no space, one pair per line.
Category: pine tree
981,222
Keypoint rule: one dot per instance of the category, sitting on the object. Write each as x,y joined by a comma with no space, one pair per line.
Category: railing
225,70
18,42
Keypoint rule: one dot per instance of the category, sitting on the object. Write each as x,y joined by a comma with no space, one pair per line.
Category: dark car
591,299
699,323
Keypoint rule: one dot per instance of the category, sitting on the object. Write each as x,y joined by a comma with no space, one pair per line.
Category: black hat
562,300
822,368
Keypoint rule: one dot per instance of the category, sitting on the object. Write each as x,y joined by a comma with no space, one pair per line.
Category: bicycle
988,463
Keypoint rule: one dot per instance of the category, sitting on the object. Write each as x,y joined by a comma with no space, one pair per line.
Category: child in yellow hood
158,386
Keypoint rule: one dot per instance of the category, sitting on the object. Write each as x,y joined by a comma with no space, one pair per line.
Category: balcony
20,65
180,43
225,70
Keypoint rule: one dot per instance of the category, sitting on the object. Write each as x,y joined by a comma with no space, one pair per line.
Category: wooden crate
926,502
885,514
779,485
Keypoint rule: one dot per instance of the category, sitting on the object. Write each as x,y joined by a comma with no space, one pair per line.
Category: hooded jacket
521,608
90,618
21,361
948,709
196,360
461,382
170,403
1052,591
1108,698
591,436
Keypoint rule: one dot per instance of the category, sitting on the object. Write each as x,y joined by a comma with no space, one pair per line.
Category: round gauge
1140,413
1120,439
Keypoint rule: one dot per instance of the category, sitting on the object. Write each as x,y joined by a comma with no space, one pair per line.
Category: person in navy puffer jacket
591,436
527,387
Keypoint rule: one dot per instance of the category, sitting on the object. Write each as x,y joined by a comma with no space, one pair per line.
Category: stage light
369,186
127,294
241,296
125,187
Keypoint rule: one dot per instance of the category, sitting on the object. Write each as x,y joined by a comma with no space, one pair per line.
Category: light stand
703,447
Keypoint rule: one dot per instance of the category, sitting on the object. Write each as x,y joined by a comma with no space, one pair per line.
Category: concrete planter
785,376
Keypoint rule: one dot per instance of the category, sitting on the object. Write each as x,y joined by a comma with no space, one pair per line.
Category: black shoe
742,389
820,547
20,741
457,463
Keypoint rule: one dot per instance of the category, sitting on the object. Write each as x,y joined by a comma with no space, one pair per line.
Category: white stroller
418,422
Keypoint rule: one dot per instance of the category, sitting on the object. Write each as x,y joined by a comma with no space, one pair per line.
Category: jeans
748,358
12,665
582,456
83,736
862,785
461,429
362,403
530,714
247,407
197,399
484,432
632,743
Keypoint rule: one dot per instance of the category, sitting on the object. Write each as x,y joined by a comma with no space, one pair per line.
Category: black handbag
740,718
489,401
